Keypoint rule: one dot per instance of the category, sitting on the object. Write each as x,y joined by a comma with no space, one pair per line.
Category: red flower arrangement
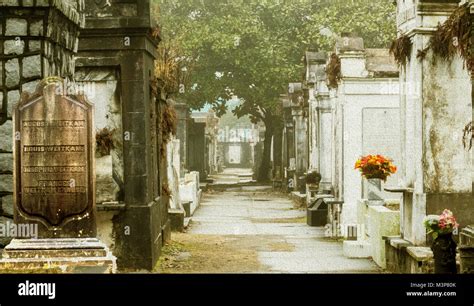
375,166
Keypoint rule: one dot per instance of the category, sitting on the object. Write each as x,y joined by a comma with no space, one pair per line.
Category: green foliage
256,46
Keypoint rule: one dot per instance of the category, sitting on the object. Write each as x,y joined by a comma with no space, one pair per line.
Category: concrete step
95,265
61,255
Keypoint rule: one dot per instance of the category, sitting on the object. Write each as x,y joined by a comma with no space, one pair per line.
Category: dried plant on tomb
401,50
168,125
104,141
452,38
171,67
468,137
165,190
333,71
155,32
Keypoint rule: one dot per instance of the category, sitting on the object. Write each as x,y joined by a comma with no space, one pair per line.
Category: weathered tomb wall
37,40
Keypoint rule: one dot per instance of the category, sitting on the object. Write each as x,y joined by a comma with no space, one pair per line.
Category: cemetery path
253,229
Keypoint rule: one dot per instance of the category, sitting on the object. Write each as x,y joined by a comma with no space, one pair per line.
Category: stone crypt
69,189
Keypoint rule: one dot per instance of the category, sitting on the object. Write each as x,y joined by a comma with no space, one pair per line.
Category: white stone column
436,104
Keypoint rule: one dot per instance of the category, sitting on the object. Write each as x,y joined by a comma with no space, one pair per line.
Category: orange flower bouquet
375,167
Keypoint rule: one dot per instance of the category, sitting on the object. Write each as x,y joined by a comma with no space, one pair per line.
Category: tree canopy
252,49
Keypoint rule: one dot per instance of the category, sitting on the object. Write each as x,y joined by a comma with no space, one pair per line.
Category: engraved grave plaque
54,165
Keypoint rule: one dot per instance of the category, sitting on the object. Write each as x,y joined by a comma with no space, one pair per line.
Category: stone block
420,260
187,208
12,70
177,219
16,27
13,98
350,44
6,162
29,87
381,222
34,45
357,249
58,255
362,209
6,182
6,140
420,253
140,247
298,199
7,205
106,187
36,28
105,227
4,241
14,46
42,2
32,66
396,255
187,192
1,74
192,177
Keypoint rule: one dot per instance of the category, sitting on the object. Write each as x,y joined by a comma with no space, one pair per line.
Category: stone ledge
111,206
62,243
57,265
177,219
420,253
70,12
298,199
399,243
67,255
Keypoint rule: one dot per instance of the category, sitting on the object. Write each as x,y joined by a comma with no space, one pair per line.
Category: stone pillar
296,94
351,53
197,154
125,42
182,113
277,154
288,156
212,123
435,104
37,40
173,170
323,123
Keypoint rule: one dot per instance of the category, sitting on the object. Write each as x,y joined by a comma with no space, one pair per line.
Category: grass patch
207,254
281,220
281,247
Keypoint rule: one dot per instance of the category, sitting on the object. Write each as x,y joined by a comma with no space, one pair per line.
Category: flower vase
374,191
444,251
